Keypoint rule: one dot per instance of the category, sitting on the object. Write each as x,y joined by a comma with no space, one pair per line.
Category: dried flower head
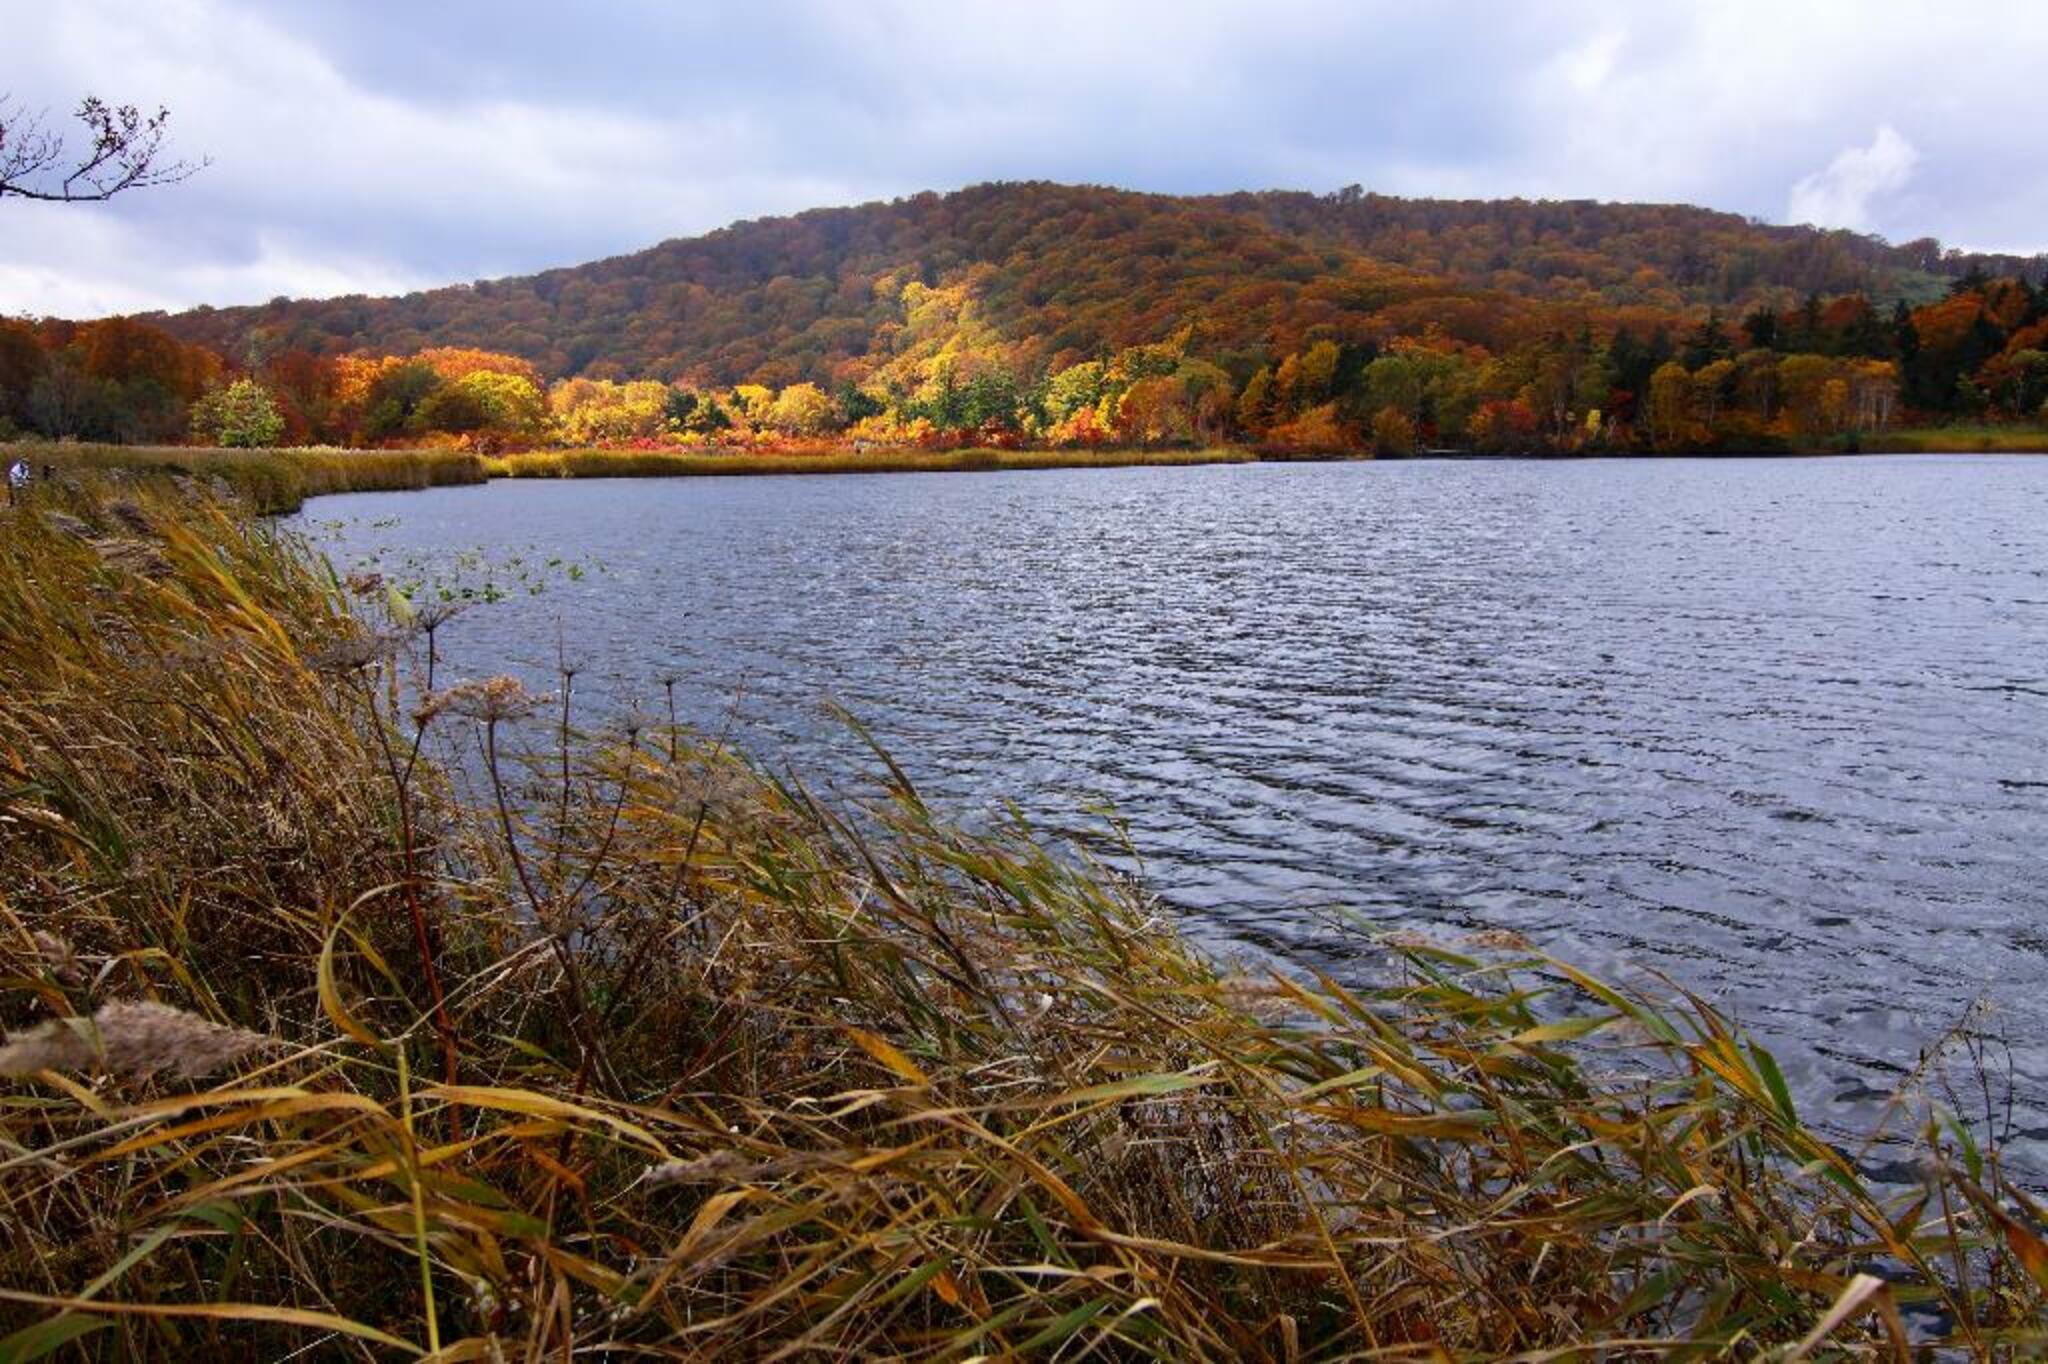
729,1166
631,724
209,653
1260,998
66,524
353,654
60,959
132,556
130,1037
132,516
492,700
431,618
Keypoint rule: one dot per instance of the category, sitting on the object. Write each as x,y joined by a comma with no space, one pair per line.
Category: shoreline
686,464
280,480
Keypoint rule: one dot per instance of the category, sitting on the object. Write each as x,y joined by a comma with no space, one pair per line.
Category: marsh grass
683,464
2015,440
268,481
639,1051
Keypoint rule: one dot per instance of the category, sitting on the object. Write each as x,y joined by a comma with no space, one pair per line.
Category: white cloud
74,261
1841,195
1589,66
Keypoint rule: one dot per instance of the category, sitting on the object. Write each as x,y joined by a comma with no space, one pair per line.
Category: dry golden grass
637,1052
686,464
2013,440
268,481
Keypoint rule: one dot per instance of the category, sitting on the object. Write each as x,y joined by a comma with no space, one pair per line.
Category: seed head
132,1037
631,724
66,524
431,618
131,516
729,1166
352,654
60,959
134,556
492,700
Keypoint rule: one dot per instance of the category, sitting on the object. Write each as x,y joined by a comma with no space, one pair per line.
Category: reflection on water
1774,727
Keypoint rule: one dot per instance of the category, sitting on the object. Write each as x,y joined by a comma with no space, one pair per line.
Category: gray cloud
379,146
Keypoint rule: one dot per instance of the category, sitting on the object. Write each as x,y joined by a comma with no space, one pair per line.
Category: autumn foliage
1048,316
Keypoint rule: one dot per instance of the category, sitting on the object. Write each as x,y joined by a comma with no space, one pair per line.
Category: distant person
17,480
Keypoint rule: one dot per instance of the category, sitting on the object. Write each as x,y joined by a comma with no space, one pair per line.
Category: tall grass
621,1047
1960,439
679,463
270,481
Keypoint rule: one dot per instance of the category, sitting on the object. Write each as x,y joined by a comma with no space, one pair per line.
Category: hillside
1062,273
1054,316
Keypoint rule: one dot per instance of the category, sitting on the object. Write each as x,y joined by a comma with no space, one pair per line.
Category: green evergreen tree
857,404
1762,326
2037,300
242,416
1905,336
1706,343
1811,336
1867,336
707,417
678,407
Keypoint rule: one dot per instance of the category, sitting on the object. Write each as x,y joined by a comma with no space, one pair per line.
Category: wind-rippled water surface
1772,727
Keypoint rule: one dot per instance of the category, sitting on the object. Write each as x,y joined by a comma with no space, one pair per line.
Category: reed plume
134,1038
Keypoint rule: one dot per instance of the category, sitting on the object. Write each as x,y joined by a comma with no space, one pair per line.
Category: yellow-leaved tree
600,412
801,410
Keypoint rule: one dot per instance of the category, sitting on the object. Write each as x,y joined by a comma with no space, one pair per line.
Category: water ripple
1774,728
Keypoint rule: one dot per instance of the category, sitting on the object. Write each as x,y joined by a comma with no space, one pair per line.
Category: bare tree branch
126,152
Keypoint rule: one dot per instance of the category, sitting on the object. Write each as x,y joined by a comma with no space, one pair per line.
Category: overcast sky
363,146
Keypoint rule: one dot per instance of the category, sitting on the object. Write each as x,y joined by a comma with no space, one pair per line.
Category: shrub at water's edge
635,1050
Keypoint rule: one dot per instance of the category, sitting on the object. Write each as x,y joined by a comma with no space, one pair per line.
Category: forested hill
1048,275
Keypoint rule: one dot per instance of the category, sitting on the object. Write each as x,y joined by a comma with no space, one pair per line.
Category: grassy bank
271,481
685,464
620,1047
2011,440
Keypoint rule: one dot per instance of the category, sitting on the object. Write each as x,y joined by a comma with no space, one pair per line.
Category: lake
1773,727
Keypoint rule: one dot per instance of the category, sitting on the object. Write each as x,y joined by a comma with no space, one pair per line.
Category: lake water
1773,727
